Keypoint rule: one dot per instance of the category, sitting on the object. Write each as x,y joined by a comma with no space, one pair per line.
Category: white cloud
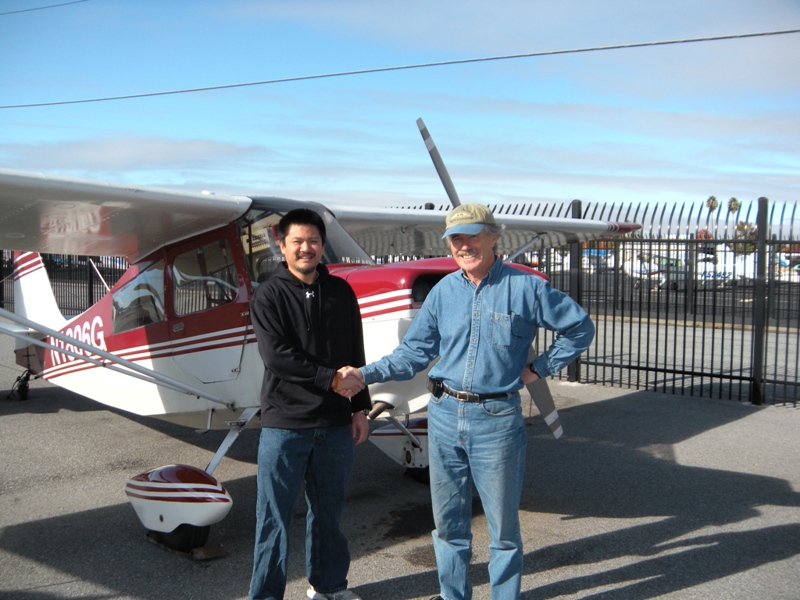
110,156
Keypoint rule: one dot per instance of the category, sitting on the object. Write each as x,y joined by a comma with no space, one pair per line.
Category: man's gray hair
495,229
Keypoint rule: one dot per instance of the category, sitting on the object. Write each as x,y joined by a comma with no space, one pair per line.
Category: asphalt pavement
647,495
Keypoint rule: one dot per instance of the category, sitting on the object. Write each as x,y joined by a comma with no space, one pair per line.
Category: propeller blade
439,164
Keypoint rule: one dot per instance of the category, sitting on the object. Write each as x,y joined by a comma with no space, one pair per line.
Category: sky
660,124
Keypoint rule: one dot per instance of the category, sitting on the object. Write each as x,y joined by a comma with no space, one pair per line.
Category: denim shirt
483,334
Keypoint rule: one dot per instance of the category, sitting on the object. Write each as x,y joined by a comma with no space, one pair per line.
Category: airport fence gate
703,303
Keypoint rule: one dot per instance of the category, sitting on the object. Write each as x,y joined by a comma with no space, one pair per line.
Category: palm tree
748,232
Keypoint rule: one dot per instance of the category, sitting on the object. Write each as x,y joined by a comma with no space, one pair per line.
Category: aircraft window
422,287
140,301
204,278
665,262
259,230
258,233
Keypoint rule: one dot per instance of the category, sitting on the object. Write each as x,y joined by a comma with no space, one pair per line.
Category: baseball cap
467,219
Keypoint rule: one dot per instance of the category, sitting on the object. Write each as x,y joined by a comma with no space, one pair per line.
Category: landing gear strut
21,386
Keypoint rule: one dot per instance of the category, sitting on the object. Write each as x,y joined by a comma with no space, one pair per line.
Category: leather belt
437,387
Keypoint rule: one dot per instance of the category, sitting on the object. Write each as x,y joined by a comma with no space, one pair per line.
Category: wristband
335,384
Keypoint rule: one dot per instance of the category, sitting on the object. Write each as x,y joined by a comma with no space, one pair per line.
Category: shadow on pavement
617,460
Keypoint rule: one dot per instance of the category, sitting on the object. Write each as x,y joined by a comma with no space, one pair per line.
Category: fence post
90,276
575,285
3,278
759,305
691,273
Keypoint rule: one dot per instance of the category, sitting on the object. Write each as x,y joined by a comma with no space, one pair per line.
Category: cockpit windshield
258,231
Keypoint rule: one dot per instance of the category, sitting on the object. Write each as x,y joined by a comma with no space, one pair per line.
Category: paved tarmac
646,496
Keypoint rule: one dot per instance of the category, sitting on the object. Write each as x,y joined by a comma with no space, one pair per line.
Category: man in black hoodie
308,325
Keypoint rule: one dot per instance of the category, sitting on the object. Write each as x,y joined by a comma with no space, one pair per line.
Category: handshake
348,381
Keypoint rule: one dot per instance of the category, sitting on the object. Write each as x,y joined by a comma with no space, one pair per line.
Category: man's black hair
300,216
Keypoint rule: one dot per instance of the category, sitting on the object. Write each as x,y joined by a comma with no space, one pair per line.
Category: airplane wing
60,215
418,232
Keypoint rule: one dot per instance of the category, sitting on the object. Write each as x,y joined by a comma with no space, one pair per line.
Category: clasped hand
349,381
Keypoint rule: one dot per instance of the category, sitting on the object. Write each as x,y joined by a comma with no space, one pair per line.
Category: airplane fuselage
184,312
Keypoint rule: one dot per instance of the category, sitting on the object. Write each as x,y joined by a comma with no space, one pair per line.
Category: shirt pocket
506,330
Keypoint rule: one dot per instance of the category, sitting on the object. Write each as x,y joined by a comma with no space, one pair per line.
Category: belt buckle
468,397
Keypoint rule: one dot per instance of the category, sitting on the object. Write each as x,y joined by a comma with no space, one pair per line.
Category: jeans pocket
500,407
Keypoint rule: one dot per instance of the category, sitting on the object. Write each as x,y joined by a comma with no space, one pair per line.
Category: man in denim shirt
480,321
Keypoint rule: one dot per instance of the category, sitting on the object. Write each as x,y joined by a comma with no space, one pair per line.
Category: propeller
439,164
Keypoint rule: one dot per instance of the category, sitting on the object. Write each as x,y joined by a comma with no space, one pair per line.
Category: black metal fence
682,338
698,306
78,281
703,303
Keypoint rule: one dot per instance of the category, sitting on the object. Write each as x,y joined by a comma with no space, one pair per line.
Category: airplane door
209,306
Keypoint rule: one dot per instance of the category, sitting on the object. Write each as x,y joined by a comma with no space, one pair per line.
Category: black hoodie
305,333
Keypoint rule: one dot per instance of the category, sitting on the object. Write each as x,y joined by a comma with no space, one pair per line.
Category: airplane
172,338
672,269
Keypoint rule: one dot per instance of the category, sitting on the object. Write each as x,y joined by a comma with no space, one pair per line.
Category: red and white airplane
172,339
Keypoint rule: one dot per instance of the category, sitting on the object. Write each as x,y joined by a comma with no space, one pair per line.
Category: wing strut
522,249
233,433
130,368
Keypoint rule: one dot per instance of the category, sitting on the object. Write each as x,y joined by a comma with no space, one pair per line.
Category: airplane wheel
184,538
21,387
421,475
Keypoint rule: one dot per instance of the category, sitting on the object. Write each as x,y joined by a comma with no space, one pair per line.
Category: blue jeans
481,443
323,458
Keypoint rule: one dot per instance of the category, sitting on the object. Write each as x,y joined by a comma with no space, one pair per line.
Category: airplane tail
33,294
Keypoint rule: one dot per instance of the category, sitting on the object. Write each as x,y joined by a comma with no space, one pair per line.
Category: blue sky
674,123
